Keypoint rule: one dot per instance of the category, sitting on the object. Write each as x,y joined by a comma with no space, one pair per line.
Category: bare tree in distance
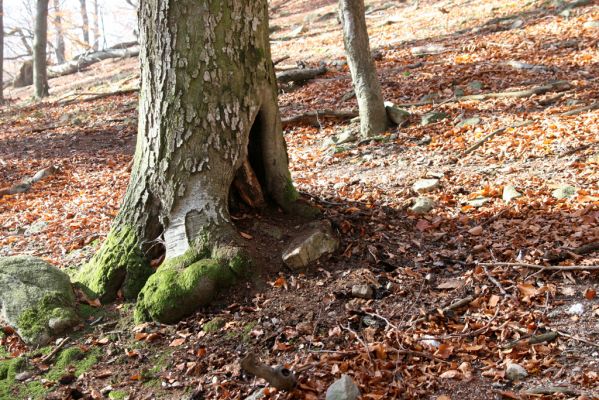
1,52
85,22
96,25
59,49
40,41
373,116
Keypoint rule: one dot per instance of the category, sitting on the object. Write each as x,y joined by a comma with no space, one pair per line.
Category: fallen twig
544,267
536,339
578,339
55,351
453,306
495,281
549,390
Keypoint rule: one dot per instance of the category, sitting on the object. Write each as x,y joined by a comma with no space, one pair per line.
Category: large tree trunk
373,117
84,21
59,48
208,104
40,40
1,52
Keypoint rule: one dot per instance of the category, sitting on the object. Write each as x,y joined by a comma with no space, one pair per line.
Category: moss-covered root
189,281
120,264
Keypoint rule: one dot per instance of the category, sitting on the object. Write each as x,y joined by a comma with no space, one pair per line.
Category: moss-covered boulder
36,299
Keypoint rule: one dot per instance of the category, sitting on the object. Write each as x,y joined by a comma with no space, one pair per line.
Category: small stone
298,30
23,376
478,202
431,48
396,115
515,372
576,309
510,193
430,341
422,205
519,23
343,388
425,185
458,92
469,122
425,140
62,324
591,25
564,192
475,86
257,395
347,136
309,245
433,117
362,291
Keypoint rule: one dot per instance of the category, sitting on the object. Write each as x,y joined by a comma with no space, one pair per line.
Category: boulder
313,242
422,205
396,115
362,291
36,299
343,388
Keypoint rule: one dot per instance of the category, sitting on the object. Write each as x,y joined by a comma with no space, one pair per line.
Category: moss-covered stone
213,325
77,359
117,395
52,315
119,264
171,294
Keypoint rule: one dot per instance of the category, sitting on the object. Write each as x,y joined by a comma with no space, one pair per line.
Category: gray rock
476,86
347,136
564,192
36,227
591,25
510,193
273,231
315,241
478,202
469,122
36,292
343,388
23,376
576,309
433,117
425,140
422,205
257,395
515,372
425,185
396,115
431,48
362,291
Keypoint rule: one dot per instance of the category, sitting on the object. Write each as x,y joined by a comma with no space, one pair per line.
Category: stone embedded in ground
347,136
469,122
591,25
510,193
362,291
36,299
564,192
422,205
475,85
478,202
313,242
576,309
257,395
425,185
515,372
343,388
431,48
433,117
396,115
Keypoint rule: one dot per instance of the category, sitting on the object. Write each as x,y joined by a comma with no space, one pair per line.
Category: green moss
171,294
8,370
33,322
75,358
213,325
117,395
289,192
119,264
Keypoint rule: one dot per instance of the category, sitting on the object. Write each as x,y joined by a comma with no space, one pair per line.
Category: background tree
208,107
59,49
373,117
40,41
85,22
96,25
1,52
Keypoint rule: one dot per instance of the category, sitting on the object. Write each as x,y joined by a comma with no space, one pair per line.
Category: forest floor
409,340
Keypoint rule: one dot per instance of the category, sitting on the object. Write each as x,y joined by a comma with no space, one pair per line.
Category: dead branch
577,338
280,60
512,94
313,117
278,377
544,267
563,254
549,390
451,307
95,96
54,351
536,339
26,184
248,187
300,74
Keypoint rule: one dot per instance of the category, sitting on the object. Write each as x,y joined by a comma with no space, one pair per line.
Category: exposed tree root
299,74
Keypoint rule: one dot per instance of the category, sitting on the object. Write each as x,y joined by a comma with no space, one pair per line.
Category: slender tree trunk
85,22
96,25
208,104
1,52
373,117
40,41
60,48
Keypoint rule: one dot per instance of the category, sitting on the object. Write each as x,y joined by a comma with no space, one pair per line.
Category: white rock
515,372
576,309
422,205
362,291
343,388
564,192
425,185
309,245
510,193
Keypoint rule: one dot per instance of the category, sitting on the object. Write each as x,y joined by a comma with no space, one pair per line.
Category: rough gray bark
1,52
59,48
208,103
373,117
40,41
85,21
